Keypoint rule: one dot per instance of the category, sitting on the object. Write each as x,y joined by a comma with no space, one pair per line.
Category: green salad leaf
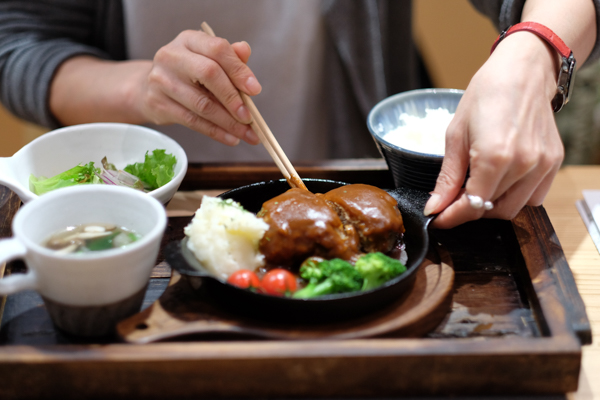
157,169
80,174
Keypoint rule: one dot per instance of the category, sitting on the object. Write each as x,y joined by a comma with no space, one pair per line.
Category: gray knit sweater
371,54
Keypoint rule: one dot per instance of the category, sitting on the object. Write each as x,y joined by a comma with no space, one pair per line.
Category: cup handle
11,249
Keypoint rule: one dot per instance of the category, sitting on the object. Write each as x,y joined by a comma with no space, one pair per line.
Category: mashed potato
224,237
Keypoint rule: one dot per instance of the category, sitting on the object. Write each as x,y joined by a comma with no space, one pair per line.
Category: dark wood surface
213,175
511,329
539,241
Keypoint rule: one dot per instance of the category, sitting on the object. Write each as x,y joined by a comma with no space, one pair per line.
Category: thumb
452,175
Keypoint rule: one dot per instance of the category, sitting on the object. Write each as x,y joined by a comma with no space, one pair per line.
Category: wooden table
584,259
117,360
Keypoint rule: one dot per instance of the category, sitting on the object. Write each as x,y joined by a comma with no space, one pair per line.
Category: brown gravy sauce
301,224
341,223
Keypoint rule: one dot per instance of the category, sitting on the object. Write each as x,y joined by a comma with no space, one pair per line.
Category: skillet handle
412,201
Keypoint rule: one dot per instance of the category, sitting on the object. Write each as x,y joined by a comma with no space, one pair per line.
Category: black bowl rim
402,150
411,156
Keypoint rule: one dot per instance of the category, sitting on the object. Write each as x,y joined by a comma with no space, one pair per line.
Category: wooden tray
516,326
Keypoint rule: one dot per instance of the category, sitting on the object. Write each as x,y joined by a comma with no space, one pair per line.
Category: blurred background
454,41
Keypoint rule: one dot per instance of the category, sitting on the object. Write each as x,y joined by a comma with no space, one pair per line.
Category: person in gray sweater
64,62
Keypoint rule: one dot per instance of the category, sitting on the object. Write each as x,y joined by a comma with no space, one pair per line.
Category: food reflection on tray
337,251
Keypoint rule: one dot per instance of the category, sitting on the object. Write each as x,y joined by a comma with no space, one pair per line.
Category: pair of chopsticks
266,137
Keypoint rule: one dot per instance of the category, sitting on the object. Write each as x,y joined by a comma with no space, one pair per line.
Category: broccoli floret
328,277
310,269
377,268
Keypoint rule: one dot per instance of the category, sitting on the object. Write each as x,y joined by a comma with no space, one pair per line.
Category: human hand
194,81
504,131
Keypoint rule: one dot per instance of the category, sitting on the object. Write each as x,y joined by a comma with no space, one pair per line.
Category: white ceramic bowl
62,149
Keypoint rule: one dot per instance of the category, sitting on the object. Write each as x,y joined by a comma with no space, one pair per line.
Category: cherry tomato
244,279
278,282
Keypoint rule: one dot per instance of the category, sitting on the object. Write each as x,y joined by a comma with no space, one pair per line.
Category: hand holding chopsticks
267,138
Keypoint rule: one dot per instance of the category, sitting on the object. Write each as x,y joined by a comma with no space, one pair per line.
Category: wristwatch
566,74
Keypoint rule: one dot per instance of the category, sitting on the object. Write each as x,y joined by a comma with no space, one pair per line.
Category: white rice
224,237
423,135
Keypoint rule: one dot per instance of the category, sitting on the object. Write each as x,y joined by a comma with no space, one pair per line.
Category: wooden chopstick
265,135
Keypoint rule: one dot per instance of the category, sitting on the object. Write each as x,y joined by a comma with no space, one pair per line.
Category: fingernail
432,204
232,140
251,137
253,86
243,114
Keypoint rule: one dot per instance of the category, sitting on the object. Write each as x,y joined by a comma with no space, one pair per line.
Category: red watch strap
540,30
566,72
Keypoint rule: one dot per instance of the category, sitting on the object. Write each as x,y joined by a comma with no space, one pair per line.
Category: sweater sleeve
505,13
35,38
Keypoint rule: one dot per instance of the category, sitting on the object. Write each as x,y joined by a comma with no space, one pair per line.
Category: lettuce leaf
157,169
81,174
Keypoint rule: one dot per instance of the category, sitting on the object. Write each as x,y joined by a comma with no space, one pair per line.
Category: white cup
86,294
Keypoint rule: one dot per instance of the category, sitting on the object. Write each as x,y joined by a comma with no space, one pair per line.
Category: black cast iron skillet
328,308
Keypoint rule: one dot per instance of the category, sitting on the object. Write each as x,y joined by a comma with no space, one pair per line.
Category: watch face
566,80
